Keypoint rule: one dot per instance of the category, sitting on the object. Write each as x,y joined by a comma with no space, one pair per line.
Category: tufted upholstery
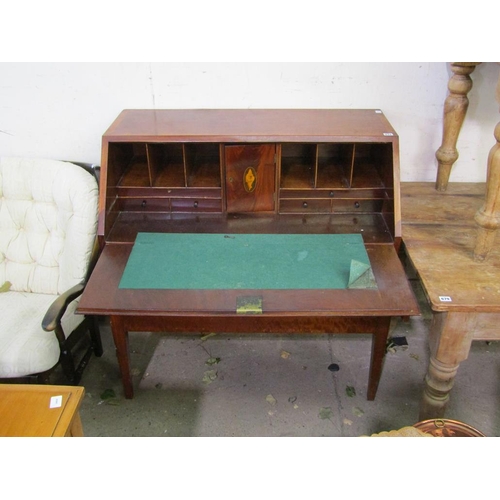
48,224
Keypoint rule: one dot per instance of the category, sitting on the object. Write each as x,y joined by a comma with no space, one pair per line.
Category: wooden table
353,311
439,236
40,410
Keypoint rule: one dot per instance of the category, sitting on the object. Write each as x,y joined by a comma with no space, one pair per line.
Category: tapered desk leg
455,108
379,346
120,336
450,339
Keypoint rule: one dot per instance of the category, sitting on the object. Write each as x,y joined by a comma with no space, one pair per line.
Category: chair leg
72,372
95,336
68,366
41,378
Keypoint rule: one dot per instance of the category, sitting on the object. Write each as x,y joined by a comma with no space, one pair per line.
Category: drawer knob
143,204
195,204
304,204
332,194
356,204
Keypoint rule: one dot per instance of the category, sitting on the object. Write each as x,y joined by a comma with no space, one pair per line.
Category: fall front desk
250,221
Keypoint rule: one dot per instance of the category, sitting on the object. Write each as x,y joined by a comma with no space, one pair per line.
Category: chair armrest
91,168
57,309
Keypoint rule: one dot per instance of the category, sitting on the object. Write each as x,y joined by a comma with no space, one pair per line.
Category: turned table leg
488,216
450,339
455,108
120,336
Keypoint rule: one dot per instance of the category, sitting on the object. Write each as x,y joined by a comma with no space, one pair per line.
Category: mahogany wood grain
249,125
250,178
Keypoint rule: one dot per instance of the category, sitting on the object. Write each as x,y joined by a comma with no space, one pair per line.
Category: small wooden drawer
144,204
305,206
196,205
362,193
352,194
353,205
212,193
308,193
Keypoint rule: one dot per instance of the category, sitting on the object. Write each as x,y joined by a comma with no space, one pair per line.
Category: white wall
61,110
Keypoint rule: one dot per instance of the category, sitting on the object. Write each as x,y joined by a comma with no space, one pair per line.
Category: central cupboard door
250,178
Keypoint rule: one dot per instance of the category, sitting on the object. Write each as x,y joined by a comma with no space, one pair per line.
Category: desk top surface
439,234
260,125
392,297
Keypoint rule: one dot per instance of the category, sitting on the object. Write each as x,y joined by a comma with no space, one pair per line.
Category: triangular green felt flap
361,275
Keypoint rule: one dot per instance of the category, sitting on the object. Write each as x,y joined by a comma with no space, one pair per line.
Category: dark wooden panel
250,178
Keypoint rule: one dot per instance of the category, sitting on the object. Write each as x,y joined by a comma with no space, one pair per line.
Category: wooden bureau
233,172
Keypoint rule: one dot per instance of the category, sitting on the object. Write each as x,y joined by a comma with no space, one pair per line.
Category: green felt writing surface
242,261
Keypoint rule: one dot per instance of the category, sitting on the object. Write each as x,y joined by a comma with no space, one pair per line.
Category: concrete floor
261,385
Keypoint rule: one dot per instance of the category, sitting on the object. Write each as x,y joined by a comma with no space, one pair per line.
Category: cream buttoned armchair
48,226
